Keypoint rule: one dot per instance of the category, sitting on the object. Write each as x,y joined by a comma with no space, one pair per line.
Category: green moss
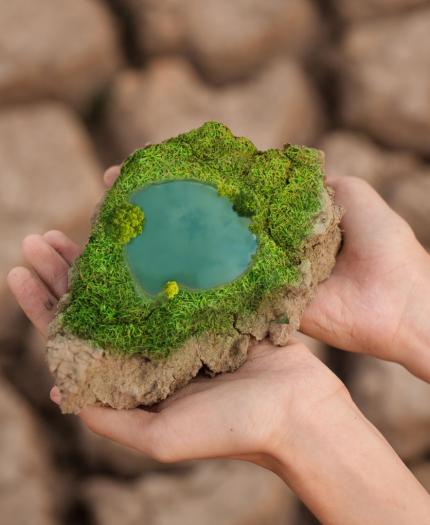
279,189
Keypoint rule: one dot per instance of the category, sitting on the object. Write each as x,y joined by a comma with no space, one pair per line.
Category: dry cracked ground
82,84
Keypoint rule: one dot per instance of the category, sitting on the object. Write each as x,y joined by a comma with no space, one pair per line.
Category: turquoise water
191,235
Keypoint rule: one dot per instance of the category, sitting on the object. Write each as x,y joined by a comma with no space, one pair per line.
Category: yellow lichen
127,223
171,289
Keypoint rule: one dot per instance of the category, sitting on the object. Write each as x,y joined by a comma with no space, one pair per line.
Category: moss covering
279,189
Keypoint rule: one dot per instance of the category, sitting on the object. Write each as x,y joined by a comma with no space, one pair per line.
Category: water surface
191,235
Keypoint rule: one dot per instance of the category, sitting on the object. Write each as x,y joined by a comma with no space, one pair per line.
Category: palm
237,415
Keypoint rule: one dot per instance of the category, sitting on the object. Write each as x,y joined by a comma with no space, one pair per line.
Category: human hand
377,300
283,409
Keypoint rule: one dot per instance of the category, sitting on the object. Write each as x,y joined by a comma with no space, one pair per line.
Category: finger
55,395
110,175
128,427
68,249
322,324
33,297
131,428
360,200
47,263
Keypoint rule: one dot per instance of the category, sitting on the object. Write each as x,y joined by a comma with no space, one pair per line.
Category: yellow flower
171,289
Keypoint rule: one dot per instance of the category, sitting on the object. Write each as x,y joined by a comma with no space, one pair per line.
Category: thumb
367,218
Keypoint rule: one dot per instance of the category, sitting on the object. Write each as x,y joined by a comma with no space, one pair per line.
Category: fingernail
55,395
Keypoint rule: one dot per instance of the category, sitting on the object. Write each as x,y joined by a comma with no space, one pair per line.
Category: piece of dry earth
395,401
276,106
399,176
27,489
385,79
89,375
353,154
357,10
226,39
422,472
50,179
211,492
62,50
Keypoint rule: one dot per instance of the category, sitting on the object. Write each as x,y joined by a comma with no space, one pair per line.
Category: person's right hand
377,300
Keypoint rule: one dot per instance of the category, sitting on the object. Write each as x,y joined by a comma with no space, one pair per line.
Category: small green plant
171,289
127,222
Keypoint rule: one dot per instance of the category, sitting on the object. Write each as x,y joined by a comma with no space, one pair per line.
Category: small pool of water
191,235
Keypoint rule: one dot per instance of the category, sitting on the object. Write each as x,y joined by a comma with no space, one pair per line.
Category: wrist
301,386
345,472
314,431
321,398
413,339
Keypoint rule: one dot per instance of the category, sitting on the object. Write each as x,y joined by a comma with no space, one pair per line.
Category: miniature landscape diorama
203,246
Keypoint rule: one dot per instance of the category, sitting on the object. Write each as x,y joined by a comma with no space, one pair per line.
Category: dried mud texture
87,375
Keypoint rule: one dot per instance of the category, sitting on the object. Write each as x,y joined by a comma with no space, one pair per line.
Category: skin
375,301
284,409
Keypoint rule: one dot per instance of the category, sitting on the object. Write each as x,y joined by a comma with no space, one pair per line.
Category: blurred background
85,82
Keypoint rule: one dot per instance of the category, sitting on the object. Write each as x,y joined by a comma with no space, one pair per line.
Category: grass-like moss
279,189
